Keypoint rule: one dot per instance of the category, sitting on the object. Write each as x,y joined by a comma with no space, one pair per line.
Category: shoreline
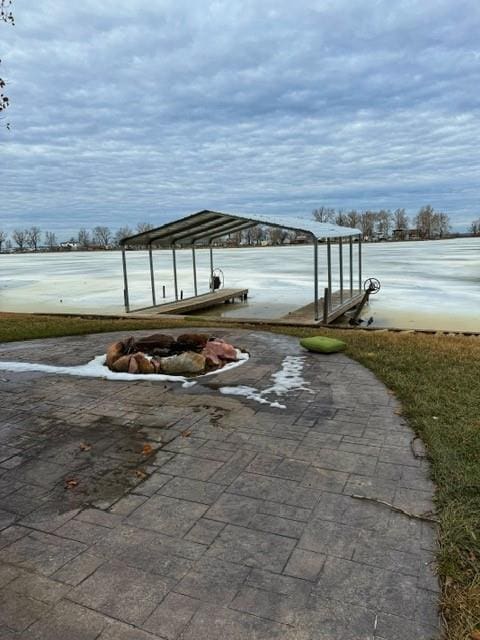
251,322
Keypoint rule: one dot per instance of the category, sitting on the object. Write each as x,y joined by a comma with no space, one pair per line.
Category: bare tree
424,221
353,219
257,234
33,237
475,227
50,239
84,238
367,224
144,226
235,238
384,222
123,232
400,219
248,236
102,236
341,218
277,235
3,237
20,237
440,224
6,15
324,214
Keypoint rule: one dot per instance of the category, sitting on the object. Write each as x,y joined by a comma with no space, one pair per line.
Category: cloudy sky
124,111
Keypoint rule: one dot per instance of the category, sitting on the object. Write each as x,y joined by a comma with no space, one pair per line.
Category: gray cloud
124,111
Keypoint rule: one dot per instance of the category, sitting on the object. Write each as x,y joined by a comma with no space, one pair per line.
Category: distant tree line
103,238
375,225
385,224
100,237
260,235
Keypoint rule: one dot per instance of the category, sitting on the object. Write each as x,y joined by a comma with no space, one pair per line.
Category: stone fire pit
188,354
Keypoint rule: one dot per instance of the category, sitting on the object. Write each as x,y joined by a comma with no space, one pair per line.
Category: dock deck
202,301
305,314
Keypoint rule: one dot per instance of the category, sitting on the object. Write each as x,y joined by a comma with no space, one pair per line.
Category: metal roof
208,225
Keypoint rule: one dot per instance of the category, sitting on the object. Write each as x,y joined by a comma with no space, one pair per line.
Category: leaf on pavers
185,434
398,412
71,483
85,446
141,473
147,450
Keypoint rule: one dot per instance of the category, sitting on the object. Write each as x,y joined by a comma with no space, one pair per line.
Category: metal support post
325,305
329,270
125,281
152,277
315,276
194,270
340,259
211,268
360,263
351,266
175,272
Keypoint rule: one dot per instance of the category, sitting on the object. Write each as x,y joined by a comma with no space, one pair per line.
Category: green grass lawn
437,379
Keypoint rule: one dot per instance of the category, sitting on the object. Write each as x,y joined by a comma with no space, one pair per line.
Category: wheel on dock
372,285
218,280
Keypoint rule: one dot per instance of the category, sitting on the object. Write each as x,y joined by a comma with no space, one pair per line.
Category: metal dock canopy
206,226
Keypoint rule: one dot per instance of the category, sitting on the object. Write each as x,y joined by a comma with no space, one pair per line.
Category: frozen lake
424,284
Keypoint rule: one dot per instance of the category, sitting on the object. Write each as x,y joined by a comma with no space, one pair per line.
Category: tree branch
422,516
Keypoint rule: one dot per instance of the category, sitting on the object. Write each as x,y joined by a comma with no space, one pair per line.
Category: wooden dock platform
194,303
306,314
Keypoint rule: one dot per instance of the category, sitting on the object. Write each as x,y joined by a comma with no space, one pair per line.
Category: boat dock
208,226
339,304
195,303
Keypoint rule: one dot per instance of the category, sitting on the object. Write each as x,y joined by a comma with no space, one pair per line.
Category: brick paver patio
135,511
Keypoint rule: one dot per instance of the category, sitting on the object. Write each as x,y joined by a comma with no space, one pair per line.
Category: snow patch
96,369
288,378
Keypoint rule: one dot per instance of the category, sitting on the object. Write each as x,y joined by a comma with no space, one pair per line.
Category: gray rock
184,363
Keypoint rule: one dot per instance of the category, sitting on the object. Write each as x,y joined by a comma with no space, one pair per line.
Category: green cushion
323,344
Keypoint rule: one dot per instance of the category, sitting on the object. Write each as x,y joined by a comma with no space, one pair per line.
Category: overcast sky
124,111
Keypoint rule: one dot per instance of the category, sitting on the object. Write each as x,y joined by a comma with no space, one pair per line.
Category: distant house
378,237
406,234
300,238
70,245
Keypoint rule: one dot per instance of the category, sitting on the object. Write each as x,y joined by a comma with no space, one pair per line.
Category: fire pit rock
187,362
134,363
189,354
